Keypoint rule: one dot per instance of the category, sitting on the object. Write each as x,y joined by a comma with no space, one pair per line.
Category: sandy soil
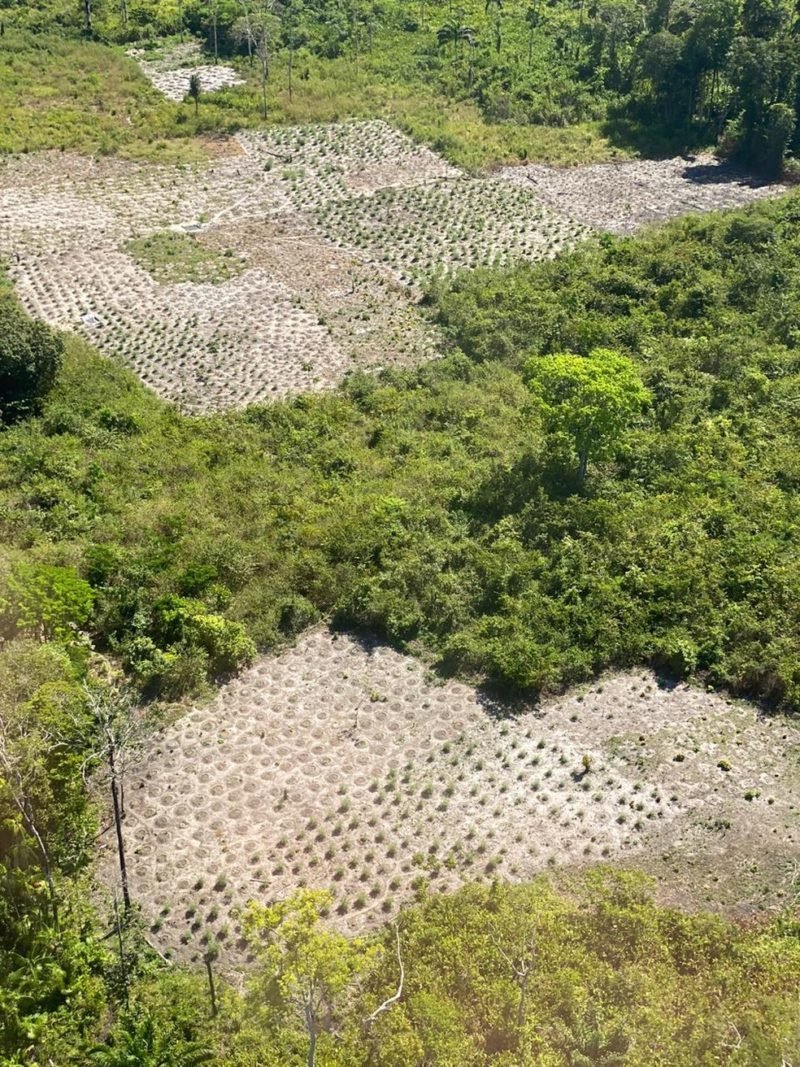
343,764
623,197
300,316
339,227
170,70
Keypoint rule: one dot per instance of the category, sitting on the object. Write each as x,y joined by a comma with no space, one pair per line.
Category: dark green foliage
30,357
477,81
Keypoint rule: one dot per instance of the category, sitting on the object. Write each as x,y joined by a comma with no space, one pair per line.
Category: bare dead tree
521,961
396,996
112,710
258,26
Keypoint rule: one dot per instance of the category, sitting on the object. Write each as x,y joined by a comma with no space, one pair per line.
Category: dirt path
342,764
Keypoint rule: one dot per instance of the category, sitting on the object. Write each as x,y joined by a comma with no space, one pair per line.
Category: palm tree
497,7
453,31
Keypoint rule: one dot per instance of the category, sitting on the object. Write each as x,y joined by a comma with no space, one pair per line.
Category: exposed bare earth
170,71
338,227
622,197
342,764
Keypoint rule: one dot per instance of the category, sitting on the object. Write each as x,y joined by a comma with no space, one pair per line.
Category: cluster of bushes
504,976
446,507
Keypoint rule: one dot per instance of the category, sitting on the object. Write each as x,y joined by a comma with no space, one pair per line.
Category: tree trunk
123,866
291,57
48,874
122,965
523,990
87,17
311,1027
216,42
583,460
212,992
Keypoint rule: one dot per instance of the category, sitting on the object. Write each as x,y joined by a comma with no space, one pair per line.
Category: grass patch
170,256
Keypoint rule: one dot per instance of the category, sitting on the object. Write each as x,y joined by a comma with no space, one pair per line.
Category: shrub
30,358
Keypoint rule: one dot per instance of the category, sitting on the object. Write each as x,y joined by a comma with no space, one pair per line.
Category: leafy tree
51,602
30,358
591,399
305,971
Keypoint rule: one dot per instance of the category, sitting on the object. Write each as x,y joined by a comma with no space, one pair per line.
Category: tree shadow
649,140
723,173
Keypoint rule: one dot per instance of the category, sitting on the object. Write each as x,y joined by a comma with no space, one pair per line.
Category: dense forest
599,472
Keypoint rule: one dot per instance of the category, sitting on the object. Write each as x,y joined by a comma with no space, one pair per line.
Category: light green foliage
226,642
427,505
139,1040
612,979
52,602
487,83
178,257
51,986
591,400
305,970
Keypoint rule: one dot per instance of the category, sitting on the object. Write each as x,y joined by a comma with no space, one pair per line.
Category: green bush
30,358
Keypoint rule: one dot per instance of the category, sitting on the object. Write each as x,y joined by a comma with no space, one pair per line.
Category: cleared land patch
624,196
171,70
296,255
342,764
78,232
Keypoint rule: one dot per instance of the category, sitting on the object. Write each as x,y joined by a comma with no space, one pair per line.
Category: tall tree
194,90
588,400
258,27
305,970
495,8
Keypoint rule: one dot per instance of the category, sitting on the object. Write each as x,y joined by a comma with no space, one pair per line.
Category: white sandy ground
338,227
342,764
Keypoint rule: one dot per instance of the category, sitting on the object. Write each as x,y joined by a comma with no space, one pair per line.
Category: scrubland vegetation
484,83
467,509
439,505
599,472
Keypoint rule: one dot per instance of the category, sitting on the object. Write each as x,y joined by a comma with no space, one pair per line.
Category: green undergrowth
433,506
613,979
66,93
170,256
